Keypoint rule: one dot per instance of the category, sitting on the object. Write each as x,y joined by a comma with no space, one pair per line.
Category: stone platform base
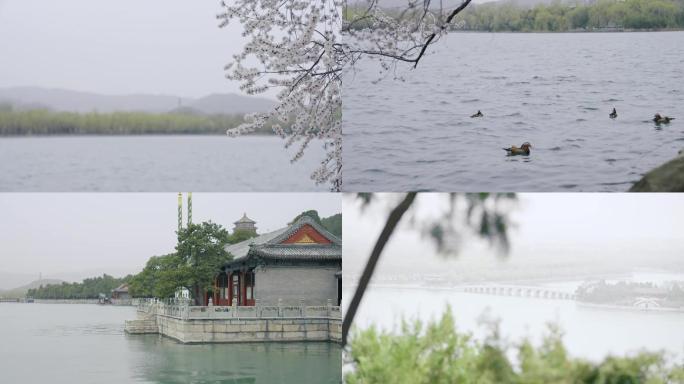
140,327
239,329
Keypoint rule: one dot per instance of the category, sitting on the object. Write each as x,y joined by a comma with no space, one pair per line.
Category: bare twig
434,34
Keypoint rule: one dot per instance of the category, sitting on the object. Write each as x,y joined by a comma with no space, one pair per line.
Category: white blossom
291,47
297,47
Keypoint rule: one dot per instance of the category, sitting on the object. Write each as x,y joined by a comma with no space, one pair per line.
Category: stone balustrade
187,312
228,324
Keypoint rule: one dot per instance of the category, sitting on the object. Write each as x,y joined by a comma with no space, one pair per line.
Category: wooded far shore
567,16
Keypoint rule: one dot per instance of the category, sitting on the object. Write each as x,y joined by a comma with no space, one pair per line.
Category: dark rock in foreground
669,177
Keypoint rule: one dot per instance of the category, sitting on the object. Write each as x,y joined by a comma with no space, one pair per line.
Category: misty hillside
20,292
10,280
76,101
215,104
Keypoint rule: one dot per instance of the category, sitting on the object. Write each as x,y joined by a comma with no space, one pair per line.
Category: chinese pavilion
245,224
300,262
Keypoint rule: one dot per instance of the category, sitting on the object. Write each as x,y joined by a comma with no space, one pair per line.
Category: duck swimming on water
523,150
662,119
478,114
613,114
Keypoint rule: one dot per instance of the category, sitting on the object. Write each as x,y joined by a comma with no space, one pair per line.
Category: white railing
182,310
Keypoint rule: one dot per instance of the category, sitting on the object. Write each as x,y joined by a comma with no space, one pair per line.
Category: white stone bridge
519,291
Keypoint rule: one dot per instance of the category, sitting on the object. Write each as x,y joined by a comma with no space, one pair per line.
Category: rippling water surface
154,163
553,90
62,343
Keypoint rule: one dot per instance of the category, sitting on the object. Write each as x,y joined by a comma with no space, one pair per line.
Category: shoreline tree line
89,288
625,293
28,122
601,15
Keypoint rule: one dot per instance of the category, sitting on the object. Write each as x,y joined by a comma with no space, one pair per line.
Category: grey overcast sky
549,228
63,235
117,47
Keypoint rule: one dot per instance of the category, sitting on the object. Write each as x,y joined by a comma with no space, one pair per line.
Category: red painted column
243,293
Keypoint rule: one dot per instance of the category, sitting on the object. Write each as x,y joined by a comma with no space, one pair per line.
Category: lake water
589,332
61,343
154,163
552,90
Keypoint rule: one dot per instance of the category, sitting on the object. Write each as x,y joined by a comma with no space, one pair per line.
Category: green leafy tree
199,255
241,235
333,224
160,278
311,213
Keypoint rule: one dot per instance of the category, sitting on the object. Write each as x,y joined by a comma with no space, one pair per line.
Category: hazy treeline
565,16
627,14
14,122
437,353
88,289
333,223
625,293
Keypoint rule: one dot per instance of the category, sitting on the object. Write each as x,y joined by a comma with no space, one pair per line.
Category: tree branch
433,35
390,226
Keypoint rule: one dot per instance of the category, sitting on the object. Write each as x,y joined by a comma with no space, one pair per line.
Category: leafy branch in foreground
436,353
483,214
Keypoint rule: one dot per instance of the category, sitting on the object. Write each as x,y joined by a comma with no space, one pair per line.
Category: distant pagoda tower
245,224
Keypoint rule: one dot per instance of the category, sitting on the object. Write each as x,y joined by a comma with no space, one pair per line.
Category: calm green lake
62,343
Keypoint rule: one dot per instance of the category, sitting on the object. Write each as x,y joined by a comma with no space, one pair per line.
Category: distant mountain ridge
20,292
83,102
11,280
219,104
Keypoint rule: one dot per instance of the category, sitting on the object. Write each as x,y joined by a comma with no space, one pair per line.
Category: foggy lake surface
62,343
155,163
589,332
552,90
